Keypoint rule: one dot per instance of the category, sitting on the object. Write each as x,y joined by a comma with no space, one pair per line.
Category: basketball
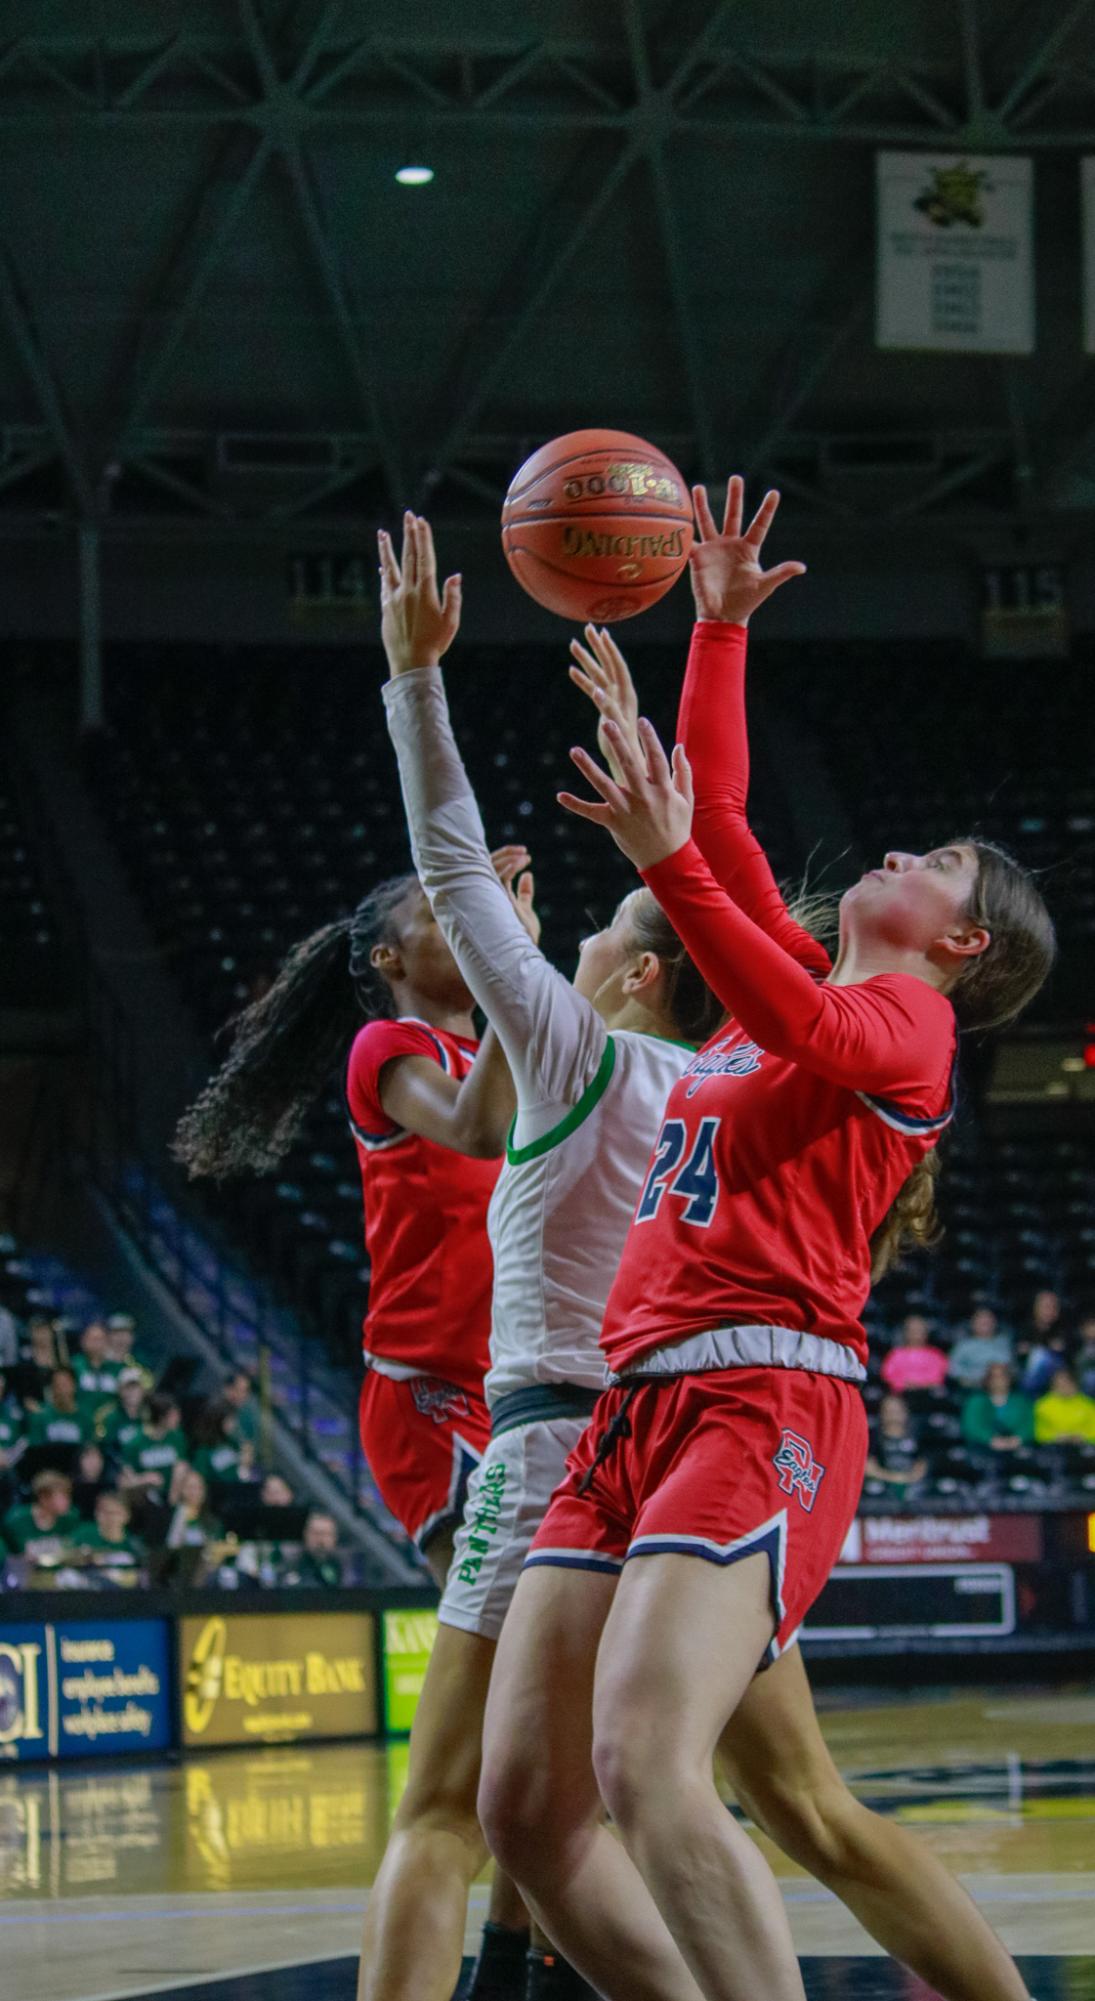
597,525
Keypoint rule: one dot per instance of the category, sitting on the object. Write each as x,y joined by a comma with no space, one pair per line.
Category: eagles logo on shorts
441,1401
799,1472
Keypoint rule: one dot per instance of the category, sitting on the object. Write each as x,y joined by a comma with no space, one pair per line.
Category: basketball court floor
241,1876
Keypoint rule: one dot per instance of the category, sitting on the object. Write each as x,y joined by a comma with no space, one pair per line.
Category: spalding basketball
597,525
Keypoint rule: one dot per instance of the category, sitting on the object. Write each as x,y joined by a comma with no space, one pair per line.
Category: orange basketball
597,525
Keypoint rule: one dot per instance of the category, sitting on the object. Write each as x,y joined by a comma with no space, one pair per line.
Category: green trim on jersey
591,1096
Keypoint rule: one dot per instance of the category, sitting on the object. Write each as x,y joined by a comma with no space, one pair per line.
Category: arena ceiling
219,310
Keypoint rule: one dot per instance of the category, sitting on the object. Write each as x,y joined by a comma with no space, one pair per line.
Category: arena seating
32,968
253,796
40,1285
1012,756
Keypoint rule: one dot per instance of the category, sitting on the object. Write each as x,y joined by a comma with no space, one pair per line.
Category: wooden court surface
229,1877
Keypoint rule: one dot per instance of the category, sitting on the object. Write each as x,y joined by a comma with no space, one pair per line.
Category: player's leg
414,1924
539,1801
436,1553
777,1762
680,1648
423,1441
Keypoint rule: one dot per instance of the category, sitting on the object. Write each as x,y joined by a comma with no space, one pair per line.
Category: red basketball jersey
769,1177
425,1218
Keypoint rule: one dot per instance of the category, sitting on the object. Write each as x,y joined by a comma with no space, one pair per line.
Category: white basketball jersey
589,1103
559,1215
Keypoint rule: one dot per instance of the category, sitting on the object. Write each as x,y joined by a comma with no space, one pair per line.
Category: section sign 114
330,583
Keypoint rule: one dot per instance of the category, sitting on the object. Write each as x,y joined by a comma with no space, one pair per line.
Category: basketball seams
587,520
627,442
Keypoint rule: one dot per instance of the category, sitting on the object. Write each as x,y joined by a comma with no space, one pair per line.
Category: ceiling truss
262,92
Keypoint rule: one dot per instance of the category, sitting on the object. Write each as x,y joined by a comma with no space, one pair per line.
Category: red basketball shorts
719,1466
422,1440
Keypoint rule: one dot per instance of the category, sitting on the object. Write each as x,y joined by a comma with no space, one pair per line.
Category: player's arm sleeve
553,1039
711,724
892,1035
378,1043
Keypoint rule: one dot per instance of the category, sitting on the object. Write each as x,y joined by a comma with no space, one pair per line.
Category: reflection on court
128,1880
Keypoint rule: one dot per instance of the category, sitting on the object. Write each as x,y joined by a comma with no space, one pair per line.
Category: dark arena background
847,250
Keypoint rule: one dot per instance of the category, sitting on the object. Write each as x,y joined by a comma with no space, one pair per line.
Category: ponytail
911,1222
286,1044
692,1007
993,989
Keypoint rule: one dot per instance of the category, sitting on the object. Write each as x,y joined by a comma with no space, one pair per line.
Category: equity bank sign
277,1678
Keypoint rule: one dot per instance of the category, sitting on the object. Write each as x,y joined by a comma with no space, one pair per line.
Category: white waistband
397,1372
747,1348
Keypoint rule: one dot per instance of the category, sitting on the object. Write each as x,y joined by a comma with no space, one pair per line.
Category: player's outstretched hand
511,866
648,811
601,672
417,626
727,580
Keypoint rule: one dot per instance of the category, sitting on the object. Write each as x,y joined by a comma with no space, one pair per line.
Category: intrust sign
943,1539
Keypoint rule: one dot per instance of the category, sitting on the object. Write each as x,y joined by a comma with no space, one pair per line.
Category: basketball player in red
428,1108
728,1453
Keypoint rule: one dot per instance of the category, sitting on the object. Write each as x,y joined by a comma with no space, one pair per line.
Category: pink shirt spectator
920,1368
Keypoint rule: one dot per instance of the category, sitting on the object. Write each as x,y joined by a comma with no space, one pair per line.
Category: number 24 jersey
766,1184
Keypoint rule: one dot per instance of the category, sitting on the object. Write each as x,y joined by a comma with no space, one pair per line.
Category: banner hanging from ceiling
955,253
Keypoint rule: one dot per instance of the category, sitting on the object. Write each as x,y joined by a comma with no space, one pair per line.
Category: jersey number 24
692,1177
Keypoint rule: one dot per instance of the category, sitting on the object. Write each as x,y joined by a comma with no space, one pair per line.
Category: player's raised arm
878,1036
729,585
553,1038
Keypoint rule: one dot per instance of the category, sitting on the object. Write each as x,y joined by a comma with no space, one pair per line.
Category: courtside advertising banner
408,1644
955,253
276,1678
92,1689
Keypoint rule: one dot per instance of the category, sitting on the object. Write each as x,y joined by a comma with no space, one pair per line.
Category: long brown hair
286,1044
695,1011
991,990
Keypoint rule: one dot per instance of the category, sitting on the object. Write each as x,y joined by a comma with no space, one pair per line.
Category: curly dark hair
286,1044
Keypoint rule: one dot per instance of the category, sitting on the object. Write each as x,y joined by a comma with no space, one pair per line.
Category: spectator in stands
39,1358
96,1375
12,1427
45,1526
1064,1416
108,1536
90,1479
60,1420
150,1459
1043,1343
193,1523
12,1442
124,1422
914,1364
121,1344
997,1418
318,1562
983,1346
239,1392
221,1454
9,1339
895,1456
276,1491
1084,1358
261,1559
